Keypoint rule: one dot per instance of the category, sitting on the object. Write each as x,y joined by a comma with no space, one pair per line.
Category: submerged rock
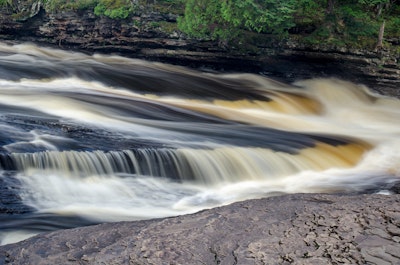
290,229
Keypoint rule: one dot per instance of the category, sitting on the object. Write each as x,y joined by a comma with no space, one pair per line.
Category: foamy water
107,138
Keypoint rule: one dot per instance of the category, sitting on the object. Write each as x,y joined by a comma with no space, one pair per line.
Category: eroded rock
290,229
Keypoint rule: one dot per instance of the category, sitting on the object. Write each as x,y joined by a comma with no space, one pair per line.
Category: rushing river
88,139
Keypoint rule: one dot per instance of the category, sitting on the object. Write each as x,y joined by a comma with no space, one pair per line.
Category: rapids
93,138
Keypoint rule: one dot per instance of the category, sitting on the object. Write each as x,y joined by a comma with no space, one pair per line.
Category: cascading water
86,139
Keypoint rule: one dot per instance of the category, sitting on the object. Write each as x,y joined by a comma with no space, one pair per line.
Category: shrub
54,5
222,20
119,9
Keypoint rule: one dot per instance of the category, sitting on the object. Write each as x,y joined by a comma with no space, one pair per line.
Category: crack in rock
289,229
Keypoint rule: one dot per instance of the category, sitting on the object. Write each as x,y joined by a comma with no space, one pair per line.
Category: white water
205,150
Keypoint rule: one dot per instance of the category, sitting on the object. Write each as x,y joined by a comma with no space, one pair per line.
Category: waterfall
94,138
224,164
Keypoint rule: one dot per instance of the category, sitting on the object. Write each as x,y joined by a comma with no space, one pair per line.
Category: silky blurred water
87,139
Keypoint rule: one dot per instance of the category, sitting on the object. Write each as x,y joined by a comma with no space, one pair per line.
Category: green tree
223,20
260,16
203,18
310,13
378,5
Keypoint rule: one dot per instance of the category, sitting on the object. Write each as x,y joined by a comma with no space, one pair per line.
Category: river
97,138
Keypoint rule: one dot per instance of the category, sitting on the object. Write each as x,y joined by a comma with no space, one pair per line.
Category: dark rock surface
290,229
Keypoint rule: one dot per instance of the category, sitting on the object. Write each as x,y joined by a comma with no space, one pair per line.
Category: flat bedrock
289,229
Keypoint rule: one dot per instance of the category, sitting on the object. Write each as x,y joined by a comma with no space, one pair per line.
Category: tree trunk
379,12
379,45
331,6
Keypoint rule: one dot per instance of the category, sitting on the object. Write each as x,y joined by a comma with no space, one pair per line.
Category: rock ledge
289,229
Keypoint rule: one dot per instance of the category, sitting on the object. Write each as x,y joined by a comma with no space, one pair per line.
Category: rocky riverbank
290,229
152,35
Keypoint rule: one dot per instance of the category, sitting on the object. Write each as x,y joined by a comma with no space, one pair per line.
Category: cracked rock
289,229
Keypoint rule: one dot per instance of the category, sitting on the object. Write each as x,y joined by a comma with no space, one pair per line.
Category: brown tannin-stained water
88,139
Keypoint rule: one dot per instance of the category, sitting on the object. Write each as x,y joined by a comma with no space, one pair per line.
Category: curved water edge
87,139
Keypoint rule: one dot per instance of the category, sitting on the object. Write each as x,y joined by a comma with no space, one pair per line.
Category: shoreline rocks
288,229
143,37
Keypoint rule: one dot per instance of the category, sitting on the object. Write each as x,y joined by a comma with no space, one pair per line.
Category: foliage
223,20
261,16
7,3
351,23
309,12
119,9
167,6
168,27
357,22
55,5
372,3
116,9
203,18
393,27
